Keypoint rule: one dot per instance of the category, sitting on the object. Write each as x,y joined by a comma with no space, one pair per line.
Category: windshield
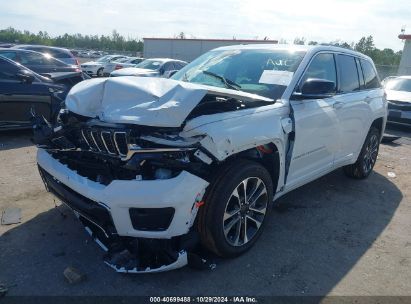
123,59
399,84
150,64
104,58
263,72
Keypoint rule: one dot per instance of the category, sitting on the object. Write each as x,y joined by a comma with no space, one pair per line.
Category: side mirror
314,88
168,74
25,76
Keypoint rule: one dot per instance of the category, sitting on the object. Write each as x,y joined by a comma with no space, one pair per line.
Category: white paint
179,192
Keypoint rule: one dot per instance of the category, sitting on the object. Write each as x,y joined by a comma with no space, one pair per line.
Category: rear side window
10,55
370,76
321,67
38,59
348,74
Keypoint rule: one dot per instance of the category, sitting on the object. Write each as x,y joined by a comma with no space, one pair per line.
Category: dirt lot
334,236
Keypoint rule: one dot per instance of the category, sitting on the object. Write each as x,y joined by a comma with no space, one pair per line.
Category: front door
316,131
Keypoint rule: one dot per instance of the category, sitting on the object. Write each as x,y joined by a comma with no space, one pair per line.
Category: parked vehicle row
156,67
119,65
33,82
101,66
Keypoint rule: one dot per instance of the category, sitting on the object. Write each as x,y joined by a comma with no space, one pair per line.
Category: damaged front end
118,156
126,186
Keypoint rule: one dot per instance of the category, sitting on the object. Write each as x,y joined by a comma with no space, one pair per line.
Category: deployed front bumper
181,193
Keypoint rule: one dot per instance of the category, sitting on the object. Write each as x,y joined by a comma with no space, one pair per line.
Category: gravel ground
334,236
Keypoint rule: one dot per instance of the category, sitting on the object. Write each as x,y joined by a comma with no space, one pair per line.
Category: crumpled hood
142,100
398,95
131,71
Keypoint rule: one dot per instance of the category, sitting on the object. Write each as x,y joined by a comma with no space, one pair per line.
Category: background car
127,62
61,54
23,91
96,68
398,91
38,62
156,67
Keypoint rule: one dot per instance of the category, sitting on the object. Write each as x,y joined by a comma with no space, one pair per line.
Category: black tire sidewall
357,169
217,198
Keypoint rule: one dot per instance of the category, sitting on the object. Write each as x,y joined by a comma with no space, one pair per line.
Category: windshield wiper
229,83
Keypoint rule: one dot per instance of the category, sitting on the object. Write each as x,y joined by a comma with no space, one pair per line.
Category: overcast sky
319,20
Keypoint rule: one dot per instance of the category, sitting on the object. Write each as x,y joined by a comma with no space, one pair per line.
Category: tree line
114,42
117,42
365,45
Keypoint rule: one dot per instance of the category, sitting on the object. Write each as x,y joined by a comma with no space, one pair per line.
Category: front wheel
368,156
100,72
235,208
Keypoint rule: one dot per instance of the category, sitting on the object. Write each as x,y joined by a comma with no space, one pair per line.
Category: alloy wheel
370,155
245,211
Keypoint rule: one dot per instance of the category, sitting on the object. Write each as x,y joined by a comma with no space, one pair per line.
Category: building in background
405,63
189,49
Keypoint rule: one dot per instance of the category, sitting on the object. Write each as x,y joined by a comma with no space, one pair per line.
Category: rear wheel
235,209
368,156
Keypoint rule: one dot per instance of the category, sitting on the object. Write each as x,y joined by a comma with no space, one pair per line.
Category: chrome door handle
338,105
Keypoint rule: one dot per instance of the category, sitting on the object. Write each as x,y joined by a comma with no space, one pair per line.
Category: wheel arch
267,155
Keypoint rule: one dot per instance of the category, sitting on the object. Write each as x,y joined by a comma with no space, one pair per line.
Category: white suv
153,167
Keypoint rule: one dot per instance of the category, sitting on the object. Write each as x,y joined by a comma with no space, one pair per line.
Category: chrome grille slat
116,141
105,141
94,139
108,143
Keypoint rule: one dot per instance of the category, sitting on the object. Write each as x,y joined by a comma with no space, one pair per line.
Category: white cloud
320,20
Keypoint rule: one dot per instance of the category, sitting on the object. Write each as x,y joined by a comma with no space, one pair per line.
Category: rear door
316,134
18,97
352,108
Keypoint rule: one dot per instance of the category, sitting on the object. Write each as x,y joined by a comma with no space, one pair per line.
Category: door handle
338,105
367,99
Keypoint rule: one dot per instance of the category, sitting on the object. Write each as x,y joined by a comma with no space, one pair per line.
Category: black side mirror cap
314,88
25,76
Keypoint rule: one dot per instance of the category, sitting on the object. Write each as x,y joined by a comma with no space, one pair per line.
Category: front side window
370,76
321,67
265,72
7,71
348,73
39,59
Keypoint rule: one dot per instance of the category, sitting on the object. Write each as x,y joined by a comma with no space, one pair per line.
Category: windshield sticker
276,77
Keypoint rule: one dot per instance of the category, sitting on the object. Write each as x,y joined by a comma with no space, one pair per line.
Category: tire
221,201
100,72
368,156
